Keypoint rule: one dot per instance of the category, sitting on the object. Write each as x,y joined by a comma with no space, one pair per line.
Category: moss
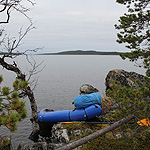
103,143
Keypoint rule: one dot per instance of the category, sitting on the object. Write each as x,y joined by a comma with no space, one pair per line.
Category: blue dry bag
84,101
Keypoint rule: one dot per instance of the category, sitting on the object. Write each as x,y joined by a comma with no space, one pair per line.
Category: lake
59,82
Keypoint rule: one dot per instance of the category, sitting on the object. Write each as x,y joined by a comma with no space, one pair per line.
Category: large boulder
127,79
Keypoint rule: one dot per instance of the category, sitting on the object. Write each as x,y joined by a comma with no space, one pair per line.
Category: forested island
76,52
80,52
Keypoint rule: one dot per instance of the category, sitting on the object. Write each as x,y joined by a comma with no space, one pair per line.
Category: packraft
80,114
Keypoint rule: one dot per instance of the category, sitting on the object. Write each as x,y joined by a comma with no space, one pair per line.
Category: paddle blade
143,122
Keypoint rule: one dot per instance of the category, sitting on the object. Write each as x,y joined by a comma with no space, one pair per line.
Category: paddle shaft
93,122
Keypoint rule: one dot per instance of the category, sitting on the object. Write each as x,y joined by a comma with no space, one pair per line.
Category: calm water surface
59,82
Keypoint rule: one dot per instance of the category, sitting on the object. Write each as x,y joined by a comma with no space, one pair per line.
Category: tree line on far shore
81,52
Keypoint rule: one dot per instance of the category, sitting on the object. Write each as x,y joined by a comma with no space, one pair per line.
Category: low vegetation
111,141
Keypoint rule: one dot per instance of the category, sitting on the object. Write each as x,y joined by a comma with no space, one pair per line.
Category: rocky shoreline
59,135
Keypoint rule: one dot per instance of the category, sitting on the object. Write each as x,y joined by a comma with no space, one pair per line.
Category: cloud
73,24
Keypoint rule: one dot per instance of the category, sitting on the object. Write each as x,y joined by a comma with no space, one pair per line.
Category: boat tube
81,114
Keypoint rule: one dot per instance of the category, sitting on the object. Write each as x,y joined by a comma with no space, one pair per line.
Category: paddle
143,122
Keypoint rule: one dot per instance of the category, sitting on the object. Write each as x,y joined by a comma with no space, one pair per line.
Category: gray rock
88,89
79,132
127,79
87,130
118,135
76,132
59,135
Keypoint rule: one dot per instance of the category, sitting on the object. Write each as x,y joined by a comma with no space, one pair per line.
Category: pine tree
12,108
134,32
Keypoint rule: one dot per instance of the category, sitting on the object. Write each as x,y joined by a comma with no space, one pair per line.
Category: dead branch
4,4
9,5
12,43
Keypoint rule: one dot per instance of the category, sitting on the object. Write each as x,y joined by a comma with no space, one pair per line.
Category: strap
69,115
85,113
95,106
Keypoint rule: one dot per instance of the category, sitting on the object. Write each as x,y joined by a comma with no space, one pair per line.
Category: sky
63,25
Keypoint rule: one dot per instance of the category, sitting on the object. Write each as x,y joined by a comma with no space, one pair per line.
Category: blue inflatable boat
80,114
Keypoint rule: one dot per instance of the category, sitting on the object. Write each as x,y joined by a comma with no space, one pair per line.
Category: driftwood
96,134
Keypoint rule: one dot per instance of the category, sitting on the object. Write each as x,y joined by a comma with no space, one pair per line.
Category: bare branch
3,38
31,50
33,3
12,43
34,70
9,5
8,16
22,35
5,5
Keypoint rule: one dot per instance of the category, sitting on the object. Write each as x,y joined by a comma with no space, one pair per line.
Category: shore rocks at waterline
58,138
88,89
41,146
127,79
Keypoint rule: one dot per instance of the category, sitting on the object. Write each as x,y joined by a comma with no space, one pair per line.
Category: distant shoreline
77,52
80,52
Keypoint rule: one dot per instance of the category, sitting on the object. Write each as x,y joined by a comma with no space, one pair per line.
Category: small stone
76,132
87,130
118,135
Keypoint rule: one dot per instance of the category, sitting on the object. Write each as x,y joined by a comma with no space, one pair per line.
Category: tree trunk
96,134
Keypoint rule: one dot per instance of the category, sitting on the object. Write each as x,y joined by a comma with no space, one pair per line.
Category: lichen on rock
127,79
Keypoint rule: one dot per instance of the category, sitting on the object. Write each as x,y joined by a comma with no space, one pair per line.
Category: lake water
59,82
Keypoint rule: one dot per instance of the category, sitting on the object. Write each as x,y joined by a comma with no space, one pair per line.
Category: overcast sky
72,25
